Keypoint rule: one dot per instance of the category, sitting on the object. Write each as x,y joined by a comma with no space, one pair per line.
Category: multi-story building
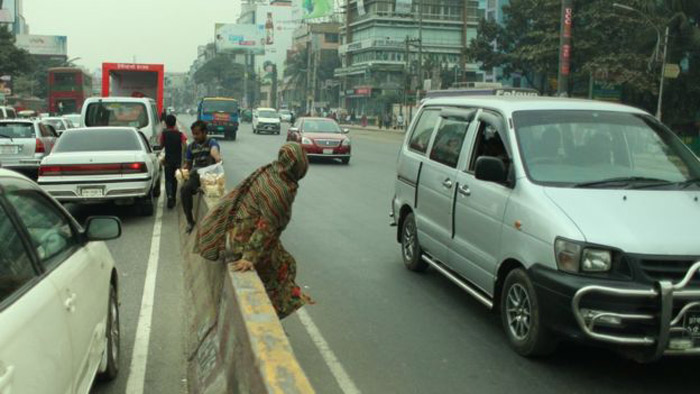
317,89
386,44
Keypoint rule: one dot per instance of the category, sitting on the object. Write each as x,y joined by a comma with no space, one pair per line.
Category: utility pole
567,15
663,71
245,80
420,51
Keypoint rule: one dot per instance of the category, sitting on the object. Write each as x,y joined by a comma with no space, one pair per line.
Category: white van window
448,142
116,114
424,130
2,113
488,143
11,114
15,265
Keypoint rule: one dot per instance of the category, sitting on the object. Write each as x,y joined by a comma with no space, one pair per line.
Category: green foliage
13,61
224,76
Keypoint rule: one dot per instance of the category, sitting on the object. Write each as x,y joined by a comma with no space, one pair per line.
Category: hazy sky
153,31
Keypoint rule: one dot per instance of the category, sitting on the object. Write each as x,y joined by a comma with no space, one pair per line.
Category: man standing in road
202,152
174,143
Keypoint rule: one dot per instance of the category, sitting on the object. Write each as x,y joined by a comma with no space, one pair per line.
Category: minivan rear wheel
521,317
410,248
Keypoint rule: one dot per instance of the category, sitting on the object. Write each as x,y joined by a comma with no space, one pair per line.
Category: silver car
573,218
24,143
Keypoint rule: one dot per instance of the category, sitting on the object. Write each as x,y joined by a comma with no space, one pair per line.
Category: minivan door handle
447,183
464,190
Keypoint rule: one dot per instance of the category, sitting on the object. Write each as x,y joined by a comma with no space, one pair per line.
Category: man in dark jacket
202,152
174,143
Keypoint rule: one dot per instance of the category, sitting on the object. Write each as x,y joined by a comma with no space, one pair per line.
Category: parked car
574,218
286,116
24,143
74,119
59,124
266,120
59,306
7,113
103,164
140,113
321,138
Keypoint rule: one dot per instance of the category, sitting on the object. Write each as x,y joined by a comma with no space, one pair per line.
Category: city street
394,331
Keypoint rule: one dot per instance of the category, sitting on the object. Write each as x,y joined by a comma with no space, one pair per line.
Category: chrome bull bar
665,291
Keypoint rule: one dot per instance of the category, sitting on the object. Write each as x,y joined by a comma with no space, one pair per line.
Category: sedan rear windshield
211,106
17,130
94,140
320,126
116,114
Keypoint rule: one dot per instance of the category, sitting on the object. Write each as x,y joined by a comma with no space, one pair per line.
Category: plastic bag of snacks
182,175
212,180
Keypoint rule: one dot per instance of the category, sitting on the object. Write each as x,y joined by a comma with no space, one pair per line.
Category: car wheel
156,188
410,248
521,318
110,358
345,160
147,205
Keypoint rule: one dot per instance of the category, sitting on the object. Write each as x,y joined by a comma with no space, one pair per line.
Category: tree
13,61
222,75
296,67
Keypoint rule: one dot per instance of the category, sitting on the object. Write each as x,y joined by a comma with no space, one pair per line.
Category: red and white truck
134,80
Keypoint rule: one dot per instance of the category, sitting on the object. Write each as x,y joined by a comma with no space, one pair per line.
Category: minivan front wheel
110,359
521,318
410,248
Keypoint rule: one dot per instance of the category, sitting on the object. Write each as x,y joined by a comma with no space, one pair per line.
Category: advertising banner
8,9
403,6
232,37
313,9
43,45
278,24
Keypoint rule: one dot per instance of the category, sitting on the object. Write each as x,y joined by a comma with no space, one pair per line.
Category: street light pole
420,50
663,71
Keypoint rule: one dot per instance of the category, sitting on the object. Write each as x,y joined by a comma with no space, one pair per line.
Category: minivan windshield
267,114
583,148
116,114
211,106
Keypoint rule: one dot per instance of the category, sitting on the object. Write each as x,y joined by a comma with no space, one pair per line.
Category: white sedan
100,164
59,307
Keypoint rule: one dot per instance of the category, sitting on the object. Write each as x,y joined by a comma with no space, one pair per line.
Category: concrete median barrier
235,342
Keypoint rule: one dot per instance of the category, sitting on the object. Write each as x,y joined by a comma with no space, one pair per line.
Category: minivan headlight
575,258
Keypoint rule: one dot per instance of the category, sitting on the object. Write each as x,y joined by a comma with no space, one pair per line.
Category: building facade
393,49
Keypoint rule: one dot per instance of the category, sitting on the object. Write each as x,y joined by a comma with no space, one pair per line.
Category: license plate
9,149
328,151
692,323
91,192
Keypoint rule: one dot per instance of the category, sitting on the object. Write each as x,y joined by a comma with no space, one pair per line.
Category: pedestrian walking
174,143
387,120
400,120
364,120
202,152
253,217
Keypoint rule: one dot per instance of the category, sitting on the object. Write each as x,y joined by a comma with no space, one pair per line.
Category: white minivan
140,113
576,219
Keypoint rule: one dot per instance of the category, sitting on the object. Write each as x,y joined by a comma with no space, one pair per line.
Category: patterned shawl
273,187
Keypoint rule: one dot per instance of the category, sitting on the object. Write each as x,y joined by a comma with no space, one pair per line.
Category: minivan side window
448,141
50,231
488,143
424,130
16,267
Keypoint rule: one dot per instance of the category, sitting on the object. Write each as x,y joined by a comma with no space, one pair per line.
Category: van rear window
116,114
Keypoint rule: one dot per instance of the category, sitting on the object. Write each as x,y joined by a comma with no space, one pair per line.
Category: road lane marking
139,358
341,377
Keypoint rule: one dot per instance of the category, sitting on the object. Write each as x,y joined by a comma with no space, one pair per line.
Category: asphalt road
376,327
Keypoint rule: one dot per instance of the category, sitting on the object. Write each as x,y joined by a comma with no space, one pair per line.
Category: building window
331,37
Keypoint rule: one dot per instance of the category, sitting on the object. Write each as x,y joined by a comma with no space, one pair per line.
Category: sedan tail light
93,169
40,147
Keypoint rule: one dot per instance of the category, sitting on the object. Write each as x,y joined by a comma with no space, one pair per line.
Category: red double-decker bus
68,89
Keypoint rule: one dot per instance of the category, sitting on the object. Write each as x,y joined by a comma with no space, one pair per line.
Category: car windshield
98,140
267,114
16,130
320,126
56,123
600,148
229,106
116,114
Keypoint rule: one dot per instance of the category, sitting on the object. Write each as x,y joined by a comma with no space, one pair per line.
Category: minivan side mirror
490,169
103,228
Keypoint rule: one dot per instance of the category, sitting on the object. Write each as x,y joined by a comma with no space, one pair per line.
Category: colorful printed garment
254,215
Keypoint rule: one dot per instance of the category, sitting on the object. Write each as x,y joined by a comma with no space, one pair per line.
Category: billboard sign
403,6
231,37
8,11
313,9
43,45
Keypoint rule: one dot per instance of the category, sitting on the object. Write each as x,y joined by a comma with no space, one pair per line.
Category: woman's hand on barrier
242,265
